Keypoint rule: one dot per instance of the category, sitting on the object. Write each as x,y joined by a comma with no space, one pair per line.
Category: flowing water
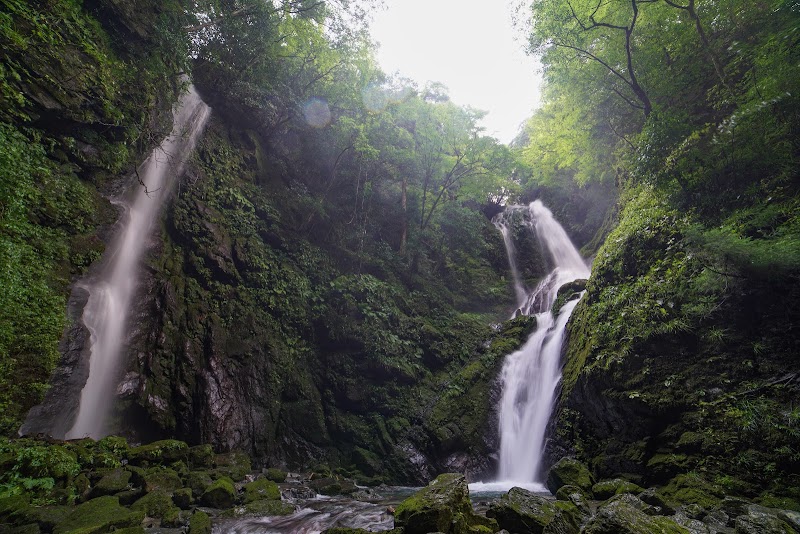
531,375
112,289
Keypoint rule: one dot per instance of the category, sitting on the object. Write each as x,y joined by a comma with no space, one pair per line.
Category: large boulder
113,482
520,510
605,489
569,472
620,517
261,489
442,506
220,494
162,452
99,515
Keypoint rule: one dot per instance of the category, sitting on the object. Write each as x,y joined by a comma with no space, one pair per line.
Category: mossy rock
756,522
198,481
183,498
161,478
162,452
201,456
220,494
574,495
157,503
663,466
691,489
442,506
619,517
520,510
99,515
128,497
46,517
606,489
261,489
276,475
262,508
235,465
569,472
114,482
200,523
113,445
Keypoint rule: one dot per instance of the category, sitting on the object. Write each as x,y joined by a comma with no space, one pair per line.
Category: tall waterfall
112,289
530,375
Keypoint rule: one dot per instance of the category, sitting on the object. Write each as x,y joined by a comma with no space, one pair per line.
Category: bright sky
469,46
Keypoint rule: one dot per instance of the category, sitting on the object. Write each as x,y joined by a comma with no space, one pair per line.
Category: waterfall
531,375
111,290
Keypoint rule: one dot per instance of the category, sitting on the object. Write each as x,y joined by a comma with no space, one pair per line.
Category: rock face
442,506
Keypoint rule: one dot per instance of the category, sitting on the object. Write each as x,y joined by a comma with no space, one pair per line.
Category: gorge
326,294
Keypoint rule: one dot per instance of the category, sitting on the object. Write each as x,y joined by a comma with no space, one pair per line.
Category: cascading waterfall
112,289
530,375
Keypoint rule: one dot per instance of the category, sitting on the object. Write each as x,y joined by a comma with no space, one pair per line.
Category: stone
619,517
605,489
441,506
790,517
157,504
261,489
761,523
162,452
635,502
198,481
274,474
113,482
200,523
99,515
653,498
183,498
235,465
520,510
220,494
569,471
161,478
200,456
262,508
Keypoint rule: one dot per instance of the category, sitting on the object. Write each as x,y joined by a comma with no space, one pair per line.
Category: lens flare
317,113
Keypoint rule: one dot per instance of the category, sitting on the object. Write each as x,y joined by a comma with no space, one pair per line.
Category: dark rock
274,474
569,471
220,494
300,492
161,478
200,523
651,497
520,510
576,496
157,504
619,517
441,506
637,503
114,482
201,456
98,515
183,498
235,465
162,452
262,508
128,497
761,523
198,481
606,489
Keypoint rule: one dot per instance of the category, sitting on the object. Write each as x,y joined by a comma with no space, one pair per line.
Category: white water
531,375
112,290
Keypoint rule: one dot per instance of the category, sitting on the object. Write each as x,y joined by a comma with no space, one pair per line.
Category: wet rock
160,478
261,489
201,456
576,496
635,502
157,504
441,506
569,471
520,510
620,517
162,452
299,492
692,525
274,474
605,489
653,498
198,481
99,515
114,482
791,518
691,489
200,523
261,508
761,523
220,494
183,498
332,486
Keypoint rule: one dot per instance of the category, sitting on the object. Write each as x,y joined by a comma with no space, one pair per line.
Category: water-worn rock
183,498
114,482
198,481
332,486
261,508
637,503
261,489
441,506
274,474
569,471
606,489
160,478
157,504
220,494
200,523
653,498
620,517
756,522
520,510
99,515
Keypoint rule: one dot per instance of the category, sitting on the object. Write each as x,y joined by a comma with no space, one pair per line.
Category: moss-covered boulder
262,508
576,496
691,489
520,510
606,489
197,481
261,489
162,452
441,506
157,504
569,472
200,523
235,465
183,498
757,522
99,515
113,482
274,474
620,517
161,478
201,456
332,486
220,494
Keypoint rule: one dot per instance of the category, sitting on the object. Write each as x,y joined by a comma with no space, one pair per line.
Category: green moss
220,494
200,523
261,489
691,489
160,478
162,452
157,504
98,514
608,488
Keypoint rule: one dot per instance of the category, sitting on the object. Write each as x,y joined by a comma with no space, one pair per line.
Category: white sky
469,46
